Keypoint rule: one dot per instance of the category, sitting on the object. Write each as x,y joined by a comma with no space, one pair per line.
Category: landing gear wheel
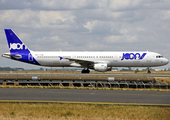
85,71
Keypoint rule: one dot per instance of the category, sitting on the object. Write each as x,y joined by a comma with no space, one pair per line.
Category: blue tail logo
14,43
17,46
18,50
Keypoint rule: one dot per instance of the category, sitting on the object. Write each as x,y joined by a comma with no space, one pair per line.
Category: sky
86,25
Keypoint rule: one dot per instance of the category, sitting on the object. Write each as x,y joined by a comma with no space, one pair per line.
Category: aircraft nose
166,61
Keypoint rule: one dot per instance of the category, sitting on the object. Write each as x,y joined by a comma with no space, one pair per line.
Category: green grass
49,111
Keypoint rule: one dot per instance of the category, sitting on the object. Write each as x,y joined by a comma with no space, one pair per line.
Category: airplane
101,61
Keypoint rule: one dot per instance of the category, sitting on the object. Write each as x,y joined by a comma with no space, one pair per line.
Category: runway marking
91,103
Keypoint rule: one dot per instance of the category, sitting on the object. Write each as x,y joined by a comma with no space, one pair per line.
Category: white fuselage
99,61
112,59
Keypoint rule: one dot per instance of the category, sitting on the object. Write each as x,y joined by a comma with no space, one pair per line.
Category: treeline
10,69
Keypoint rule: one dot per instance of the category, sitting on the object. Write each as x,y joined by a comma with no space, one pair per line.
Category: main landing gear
149,72
85,70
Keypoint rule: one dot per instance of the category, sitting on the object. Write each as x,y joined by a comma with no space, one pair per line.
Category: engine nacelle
101,67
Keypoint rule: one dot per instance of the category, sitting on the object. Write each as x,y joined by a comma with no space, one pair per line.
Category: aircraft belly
52,62
137,63
129,63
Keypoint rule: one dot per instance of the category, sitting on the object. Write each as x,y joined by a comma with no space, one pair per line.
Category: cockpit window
159,56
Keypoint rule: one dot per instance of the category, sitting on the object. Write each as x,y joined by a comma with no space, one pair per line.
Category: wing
83,63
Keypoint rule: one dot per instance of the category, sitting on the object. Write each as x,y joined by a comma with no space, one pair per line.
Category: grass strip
83,88
67,111
89,103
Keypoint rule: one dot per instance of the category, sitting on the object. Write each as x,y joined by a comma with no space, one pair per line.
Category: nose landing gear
149,72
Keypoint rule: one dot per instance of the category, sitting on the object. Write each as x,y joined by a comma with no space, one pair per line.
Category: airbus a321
99,61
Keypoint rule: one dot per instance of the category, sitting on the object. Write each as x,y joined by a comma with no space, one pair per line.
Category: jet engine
101,67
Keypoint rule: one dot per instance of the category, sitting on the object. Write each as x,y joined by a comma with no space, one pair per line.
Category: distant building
115,69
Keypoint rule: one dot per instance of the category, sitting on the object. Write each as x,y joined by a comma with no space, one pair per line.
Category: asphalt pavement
77,95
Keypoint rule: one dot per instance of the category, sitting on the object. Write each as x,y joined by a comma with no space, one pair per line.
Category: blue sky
86,25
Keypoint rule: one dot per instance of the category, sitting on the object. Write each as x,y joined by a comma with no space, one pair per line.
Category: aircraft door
115,58
74,56
148,60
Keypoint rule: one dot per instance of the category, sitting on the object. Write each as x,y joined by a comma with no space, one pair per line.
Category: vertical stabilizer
14,43
18,50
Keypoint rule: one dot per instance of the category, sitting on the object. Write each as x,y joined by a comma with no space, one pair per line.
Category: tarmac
77,95
97,96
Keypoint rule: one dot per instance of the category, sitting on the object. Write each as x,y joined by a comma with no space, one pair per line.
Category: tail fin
14,43
18,50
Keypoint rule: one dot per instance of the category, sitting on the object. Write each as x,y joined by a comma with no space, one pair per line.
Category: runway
75,95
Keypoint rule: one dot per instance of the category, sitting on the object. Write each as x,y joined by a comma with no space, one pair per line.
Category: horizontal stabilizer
8,55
